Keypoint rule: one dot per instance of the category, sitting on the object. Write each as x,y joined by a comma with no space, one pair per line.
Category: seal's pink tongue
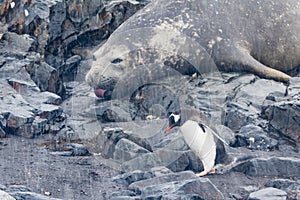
99,92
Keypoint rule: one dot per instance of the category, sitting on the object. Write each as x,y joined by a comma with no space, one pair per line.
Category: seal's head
129,50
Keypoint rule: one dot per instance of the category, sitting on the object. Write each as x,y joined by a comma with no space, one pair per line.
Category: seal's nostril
117,60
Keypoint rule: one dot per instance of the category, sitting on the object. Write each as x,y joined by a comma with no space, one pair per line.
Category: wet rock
5,196
254,137
271,167
268,194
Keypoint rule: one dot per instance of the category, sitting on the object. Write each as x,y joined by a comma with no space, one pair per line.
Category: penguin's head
174,120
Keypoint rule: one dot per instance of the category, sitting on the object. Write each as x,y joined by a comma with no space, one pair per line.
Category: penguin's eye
117,60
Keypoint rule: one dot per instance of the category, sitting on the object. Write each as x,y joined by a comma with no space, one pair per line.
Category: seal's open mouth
101,93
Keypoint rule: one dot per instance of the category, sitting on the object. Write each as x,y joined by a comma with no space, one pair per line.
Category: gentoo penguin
199,137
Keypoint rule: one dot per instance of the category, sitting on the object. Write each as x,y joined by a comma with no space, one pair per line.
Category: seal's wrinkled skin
257,36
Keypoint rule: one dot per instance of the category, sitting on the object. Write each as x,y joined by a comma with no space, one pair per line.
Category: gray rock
284,184
5,196
30,196
71,67
20,192
122,193
284,118
49,112
200,187
293,89
268,194
254,137
272,167
133,176
123,198
139,186
226,133
47,78
293,195
78,149
61,153
174,160
2,133
126,150
246,104
159,171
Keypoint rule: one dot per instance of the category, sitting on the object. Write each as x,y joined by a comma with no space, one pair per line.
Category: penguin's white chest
201,143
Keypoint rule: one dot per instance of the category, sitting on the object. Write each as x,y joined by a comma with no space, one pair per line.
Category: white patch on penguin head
176,117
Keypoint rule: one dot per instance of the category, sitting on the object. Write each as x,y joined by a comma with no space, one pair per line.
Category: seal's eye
117,60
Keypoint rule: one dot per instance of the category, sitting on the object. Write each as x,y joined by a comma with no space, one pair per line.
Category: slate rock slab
285,118
272,167
268,194
182,184
5,196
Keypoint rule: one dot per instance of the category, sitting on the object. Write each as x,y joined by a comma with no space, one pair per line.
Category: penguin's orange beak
169,129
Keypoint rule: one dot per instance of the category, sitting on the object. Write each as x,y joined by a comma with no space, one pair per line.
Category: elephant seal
256,36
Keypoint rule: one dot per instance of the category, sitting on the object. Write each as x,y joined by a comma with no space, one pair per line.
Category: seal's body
257,36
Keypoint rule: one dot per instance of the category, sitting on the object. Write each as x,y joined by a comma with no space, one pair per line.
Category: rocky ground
58,141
